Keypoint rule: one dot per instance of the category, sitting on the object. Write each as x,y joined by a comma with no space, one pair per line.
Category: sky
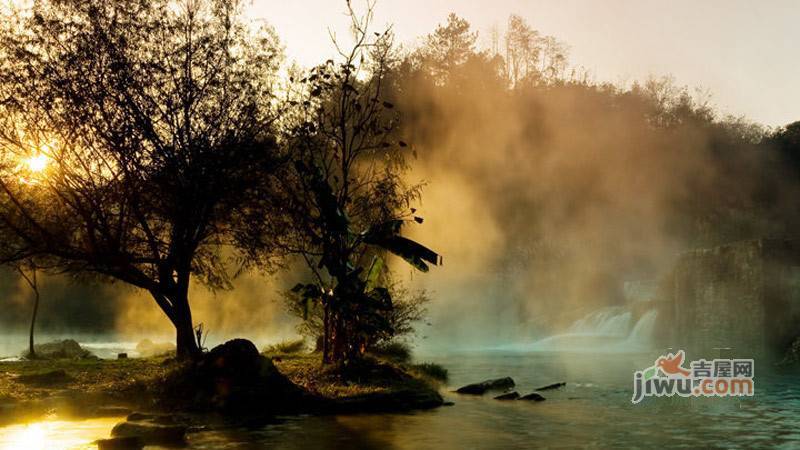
743,51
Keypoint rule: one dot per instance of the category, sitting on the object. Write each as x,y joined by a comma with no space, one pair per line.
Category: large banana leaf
374,272
413,252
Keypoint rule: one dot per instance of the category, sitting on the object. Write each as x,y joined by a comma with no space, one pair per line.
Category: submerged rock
120,443
551,386
498,384
66,349
151,433
533,397
510,396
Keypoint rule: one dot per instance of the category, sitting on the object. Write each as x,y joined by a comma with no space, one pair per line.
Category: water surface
593,411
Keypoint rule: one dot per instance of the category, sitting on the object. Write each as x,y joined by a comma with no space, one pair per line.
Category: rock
66,349
481,388
151,433
120,443
533,397
510,396
147,348
53,377
232,378
792,355
551,386
235,355
122,356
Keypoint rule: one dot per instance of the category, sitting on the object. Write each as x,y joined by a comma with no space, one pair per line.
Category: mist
544,196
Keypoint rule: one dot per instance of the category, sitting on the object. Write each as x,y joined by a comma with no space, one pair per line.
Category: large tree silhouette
150,122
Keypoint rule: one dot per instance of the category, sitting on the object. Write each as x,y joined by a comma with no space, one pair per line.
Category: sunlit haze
499,224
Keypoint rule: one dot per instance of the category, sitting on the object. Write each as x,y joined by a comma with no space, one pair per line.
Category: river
593,411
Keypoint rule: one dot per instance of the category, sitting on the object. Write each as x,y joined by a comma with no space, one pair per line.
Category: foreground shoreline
88,388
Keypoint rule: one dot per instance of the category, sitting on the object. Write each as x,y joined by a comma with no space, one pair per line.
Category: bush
398,352
431,370
286,347
408,311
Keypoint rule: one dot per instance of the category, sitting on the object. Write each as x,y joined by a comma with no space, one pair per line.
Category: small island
233,379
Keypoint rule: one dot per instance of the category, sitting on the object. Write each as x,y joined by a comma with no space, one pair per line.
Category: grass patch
123,379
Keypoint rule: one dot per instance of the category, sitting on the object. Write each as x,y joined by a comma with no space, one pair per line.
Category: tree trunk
177,309
339,339
34,285
31,350
186,343
326,335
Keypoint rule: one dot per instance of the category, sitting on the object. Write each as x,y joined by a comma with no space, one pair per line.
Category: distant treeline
585,184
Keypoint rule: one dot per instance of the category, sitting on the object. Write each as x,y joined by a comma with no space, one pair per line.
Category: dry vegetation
131,380
34,380
373,375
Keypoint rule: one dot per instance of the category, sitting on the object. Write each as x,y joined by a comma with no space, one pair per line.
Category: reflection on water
56,434
594,411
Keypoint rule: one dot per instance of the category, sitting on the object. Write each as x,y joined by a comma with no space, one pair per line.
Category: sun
37,163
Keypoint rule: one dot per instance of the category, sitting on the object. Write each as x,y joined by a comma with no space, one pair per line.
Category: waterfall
612,321
642,333
604,330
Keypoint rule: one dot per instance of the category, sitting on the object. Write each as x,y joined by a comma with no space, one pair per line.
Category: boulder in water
151,433
66,349
510,396
120,443
551,386
498,384
533,397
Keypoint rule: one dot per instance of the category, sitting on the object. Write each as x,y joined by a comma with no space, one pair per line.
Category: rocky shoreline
231,385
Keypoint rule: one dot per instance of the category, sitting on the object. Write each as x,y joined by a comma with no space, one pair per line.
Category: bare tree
531,56
151,122
27,270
